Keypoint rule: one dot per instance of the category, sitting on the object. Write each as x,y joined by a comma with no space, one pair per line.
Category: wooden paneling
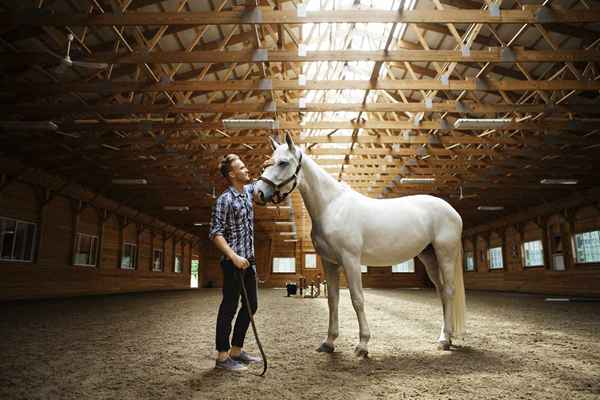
53,274
555,228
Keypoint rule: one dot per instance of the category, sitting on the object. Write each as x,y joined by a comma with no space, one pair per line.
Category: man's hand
240,262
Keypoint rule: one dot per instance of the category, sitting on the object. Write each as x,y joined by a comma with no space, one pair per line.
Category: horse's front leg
354,278
332,274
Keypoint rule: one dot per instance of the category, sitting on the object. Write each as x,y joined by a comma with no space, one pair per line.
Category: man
232,231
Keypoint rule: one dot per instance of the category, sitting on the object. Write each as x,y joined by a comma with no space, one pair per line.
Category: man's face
239,172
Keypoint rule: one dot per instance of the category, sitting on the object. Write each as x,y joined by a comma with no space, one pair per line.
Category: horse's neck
317,187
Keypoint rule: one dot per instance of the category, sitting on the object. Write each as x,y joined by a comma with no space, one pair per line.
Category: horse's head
280,176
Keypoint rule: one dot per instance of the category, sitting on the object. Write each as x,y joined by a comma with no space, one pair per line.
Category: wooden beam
492,55
275,84
527,15
144,126
465,107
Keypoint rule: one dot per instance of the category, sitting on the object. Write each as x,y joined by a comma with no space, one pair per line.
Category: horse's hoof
444,346
361,352
325,348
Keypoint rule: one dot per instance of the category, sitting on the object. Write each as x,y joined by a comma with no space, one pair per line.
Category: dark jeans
232,291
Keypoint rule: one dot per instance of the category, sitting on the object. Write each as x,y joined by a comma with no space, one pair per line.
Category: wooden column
77,208
103,216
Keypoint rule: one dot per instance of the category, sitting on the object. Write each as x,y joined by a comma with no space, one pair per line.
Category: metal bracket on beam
507,55
260,55
444,125
445,79
271,106
480,84
302,103
301,50
460,107
465,50
428,103
494,10
302,80
253,16
146,126
544,15
434,139
265,84
301,10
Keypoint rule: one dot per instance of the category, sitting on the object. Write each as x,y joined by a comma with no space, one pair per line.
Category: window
128,259
533,252
587,245
363,269
469,261
178,264
495,257
17,239
310,260
85,250
407,266
157,260
284,265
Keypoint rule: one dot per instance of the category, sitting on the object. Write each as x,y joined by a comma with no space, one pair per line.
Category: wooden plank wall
267,249
52,273
554,224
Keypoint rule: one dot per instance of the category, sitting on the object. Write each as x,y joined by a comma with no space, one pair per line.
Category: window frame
133,267
467,255
176,259
286,272
576,250
489,254
410,261
306,263
14,241
162,259
524,250
95,241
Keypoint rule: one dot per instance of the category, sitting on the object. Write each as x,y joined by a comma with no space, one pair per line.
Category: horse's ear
274,143
290,142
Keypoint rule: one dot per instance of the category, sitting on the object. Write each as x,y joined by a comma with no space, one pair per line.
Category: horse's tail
458,300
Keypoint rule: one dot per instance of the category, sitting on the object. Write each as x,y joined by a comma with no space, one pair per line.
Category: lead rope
262,352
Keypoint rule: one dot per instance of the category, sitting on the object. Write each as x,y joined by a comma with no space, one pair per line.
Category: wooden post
567,238
103,217
39,233
75,226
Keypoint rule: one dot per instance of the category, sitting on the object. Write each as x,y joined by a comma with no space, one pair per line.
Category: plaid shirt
233,218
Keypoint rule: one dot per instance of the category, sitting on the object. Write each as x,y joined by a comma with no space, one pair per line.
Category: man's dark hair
225,164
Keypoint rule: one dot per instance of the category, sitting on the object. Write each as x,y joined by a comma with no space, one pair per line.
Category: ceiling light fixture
549,181
250,124
176,208
416,181
480,123
490,208
130,181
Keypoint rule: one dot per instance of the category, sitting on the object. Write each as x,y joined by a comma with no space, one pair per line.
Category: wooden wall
267,249
58,219
555,225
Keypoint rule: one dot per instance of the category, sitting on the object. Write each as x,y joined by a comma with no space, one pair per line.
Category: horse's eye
283,163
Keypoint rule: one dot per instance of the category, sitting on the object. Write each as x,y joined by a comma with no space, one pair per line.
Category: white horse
349,229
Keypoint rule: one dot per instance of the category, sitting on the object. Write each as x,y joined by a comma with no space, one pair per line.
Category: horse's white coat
349,229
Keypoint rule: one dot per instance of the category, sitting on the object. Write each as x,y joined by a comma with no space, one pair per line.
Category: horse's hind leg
446,255
429,259
332,274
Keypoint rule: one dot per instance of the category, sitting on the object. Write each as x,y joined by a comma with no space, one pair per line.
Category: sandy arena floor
160,346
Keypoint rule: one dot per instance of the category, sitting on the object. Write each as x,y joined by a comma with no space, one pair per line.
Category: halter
277,196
